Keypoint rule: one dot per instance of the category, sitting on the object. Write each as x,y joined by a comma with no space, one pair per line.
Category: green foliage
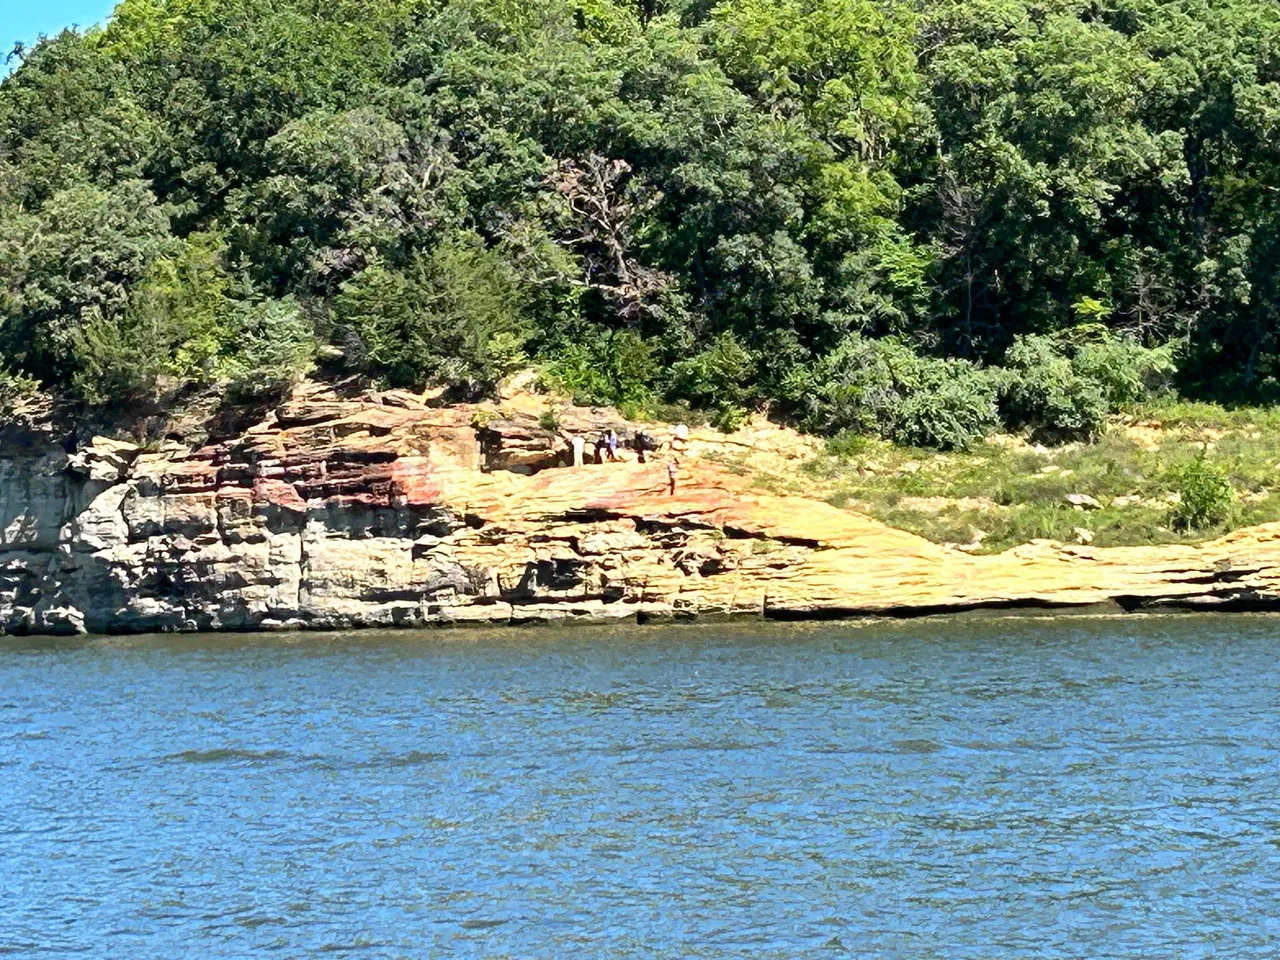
452,318
1206,496
870,386
1042,390
847,390
728,418
721,374
15,390
615,368
276,348
118,358
73,260
848,65
1063,387
720,378
1126,371
948,404
703,204
845,444
176,330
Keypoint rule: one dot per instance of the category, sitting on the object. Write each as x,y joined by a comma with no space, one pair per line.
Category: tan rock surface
375,511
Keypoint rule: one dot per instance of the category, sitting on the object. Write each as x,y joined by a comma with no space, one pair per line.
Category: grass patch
1191,415
1007,492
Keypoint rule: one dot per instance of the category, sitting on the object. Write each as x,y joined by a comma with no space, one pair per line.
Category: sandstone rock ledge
337,513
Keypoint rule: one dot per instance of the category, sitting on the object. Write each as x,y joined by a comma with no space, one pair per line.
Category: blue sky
26,19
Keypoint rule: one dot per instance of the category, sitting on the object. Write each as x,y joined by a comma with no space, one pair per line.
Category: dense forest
923,218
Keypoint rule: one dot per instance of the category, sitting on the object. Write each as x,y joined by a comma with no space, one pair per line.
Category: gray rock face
82,554
111,539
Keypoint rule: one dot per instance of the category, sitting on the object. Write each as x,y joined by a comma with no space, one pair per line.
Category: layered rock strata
382,511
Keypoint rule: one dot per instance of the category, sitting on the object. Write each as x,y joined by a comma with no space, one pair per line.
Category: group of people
606,450
607,446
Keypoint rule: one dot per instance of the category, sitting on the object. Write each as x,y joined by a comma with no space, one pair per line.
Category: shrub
1126,371
1063,387
948,404
74,259
845,390
728,417
177,329
1042,391
117,359
884,387
678,412
720,375
614,367
276,349
1207,497
719,378
450,318
847,444
15,390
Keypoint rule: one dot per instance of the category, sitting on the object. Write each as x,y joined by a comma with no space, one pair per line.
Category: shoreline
477,630
380,511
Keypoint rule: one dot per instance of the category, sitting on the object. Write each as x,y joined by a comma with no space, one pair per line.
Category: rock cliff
380,510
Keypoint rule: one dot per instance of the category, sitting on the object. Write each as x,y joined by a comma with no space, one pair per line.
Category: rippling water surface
985,788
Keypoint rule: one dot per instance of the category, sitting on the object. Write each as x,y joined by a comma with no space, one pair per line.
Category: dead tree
602,205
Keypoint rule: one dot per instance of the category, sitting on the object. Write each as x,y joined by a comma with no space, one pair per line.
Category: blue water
951,789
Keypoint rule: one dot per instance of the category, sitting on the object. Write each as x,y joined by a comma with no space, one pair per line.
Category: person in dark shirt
643,443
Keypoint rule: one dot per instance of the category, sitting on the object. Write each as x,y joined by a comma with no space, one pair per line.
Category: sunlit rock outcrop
384,511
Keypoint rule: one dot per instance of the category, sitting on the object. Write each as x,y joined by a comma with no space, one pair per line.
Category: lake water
955,789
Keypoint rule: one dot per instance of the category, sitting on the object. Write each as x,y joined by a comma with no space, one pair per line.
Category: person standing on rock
643,443
681,439
612,445
672,467
577,443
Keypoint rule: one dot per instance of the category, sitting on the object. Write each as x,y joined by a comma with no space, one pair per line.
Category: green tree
72,261
711,202
451,318
176,330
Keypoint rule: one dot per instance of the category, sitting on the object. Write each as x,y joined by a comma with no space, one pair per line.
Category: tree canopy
801,202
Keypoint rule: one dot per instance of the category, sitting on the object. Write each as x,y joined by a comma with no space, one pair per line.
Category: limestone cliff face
377,512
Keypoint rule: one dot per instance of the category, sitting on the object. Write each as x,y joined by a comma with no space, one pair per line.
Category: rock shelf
381,511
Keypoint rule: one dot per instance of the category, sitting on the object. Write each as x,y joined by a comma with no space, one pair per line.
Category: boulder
1083,501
